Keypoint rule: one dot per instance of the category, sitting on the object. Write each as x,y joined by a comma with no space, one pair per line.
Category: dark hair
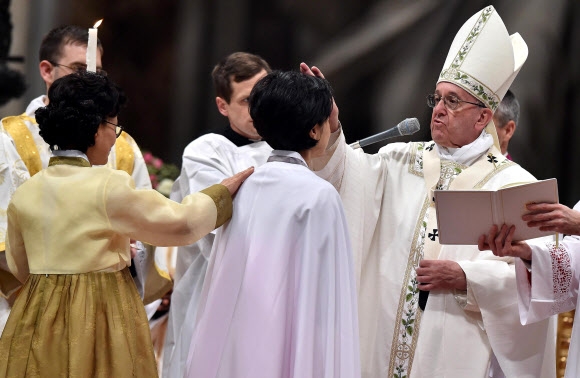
54,40
508,110
285,106
78,104
236,67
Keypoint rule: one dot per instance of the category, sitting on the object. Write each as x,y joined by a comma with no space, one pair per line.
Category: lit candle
92,48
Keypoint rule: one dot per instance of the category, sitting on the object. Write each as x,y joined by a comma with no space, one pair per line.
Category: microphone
407,127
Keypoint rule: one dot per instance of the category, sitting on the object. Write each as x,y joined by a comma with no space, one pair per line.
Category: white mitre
484,59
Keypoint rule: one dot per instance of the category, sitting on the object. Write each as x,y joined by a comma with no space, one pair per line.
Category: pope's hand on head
315,71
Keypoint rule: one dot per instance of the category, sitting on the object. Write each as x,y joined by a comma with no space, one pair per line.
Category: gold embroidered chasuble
124,155
16,127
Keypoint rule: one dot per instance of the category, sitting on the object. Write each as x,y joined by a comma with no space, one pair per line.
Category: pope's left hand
315,71
440,275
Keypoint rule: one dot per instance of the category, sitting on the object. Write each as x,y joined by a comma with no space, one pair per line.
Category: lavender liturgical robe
279,295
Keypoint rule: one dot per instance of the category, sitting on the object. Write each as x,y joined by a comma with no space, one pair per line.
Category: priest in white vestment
548,273
208,160
470,325
279,297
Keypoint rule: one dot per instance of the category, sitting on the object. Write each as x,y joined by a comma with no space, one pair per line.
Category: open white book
464,215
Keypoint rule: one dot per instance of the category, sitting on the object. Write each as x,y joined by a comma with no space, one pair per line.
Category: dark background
382,58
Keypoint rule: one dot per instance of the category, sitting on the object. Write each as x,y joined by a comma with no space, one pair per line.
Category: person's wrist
527,255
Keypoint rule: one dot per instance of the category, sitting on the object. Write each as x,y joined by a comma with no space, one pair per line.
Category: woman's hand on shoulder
233,183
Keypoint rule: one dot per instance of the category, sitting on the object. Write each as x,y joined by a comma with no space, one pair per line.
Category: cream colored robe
385,200
29,148
107,211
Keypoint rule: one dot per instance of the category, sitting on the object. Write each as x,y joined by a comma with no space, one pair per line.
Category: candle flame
97,24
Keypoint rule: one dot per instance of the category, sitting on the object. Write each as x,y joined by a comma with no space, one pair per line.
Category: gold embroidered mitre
484,60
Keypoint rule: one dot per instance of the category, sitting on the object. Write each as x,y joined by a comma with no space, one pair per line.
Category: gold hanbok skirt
78,325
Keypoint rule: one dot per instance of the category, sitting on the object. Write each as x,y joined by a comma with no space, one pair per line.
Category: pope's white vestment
279,295
555,280
206,161
391,216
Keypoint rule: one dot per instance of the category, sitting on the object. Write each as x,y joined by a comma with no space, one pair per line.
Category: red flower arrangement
162,174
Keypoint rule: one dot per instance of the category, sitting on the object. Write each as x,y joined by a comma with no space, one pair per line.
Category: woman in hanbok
78,313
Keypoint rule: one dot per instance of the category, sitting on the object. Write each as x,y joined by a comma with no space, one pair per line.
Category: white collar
288,154
70,153
35,105
469,153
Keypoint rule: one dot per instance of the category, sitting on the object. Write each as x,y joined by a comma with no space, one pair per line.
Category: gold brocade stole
25,146
124,155
16,127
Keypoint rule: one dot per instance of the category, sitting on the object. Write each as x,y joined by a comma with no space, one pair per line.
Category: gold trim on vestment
397,348
162,273
440,175
465,80
157,281
223,202
505,164
416,157
24,142
124,155
565,323
68,160
169,263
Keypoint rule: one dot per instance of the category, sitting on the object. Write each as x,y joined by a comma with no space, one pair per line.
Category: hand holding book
464,215
499,241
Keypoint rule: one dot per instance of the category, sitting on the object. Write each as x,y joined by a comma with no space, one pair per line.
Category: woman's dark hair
78,104
285,106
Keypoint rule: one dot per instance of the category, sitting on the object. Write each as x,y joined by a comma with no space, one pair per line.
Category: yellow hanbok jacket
78,313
